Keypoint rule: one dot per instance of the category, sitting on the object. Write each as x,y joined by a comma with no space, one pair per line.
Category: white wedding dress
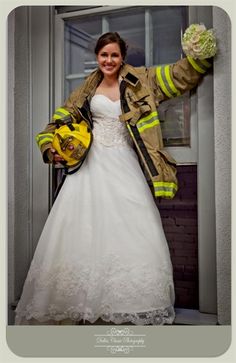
102,252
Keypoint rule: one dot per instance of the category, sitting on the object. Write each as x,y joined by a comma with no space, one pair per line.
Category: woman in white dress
102,253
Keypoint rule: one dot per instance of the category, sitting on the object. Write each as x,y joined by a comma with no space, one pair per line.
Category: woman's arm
172,80
68,112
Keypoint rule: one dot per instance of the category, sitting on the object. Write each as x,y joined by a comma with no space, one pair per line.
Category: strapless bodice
108,129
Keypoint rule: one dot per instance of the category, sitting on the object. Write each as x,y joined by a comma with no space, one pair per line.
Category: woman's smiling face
109,59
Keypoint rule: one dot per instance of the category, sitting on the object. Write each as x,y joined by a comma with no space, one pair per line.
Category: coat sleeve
171,80
65,113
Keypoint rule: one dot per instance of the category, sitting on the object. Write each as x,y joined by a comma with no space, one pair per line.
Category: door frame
39,175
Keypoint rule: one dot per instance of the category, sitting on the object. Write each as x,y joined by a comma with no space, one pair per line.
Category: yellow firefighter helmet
72,142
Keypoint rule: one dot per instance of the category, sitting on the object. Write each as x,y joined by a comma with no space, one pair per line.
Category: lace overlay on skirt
100,291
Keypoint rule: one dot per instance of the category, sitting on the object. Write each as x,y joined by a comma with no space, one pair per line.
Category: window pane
80,38
174,116
167,24
131,27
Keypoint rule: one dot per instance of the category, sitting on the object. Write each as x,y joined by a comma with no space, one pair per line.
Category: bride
102,253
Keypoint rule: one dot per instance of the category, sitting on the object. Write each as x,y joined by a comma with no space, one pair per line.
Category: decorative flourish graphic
120,340
122,332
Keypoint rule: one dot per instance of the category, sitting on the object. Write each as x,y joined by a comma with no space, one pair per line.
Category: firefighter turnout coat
141,91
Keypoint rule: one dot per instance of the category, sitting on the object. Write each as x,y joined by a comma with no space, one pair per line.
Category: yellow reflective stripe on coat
130,131
166,82
60,113
170,83
161,82
165,189
200,65
148,121
44,138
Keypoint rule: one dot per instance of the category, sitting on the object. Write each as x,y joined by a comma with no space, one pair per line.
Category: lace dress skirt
102,252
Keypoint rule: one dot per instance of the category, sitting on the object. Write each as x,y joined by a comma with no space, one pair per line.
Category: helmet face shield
72,142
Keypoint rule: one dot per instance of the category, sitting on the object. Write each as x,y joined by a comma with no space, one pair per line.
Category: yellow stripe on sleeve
162,84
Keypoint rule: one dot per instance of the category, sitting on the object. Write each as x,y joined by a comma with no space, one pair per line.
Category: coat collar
127,73
130,75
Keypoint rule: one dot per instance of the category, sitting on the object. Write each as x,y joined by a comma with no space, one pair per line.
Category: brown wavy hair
108,38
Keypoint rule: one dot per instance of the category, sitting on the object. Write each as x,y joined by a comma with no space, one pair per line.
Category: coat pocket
167,157
166,167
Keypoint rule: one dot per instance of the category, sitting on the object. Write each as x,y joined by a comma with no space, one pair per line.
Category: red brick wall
179,218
